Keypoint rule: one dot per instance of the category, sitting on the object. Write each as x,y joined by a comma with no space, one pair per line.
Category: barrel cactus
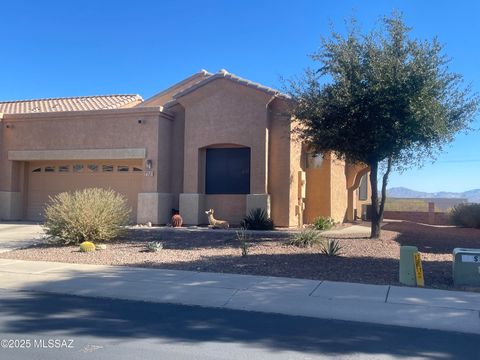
87,246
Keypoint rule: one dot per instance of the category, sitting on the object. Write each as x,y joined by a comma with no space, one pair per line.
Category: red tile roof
80,103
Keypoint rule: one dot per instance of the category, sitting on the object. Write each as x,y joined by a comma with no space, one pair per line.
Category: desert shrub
243,239
323,223
86,215
467,215
154,246
257,219
331,248
306,238
87,246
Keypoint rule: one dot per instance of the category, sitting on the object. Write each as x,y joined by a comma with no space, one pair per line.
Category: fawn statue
214,223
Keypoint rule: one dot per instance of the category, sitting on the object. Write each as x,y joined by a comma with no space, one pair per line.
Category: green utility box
407,265
466,267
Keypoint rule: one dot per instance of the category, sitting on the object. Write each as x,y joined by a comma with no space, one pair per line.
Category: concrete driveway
15,235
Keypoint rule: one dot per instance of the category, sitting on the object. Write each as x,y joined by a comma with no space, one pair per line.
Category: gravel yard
362,260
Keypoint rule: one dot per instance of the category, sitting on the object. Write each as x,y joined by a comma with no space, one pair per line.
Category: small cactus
87,246
154,246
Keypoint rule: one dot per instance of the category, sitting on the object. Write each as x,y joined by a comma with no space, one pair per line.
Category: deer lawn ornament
214,223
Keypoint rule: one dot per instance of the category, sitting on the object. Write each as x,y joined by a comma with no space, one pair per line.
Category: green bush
323,223
257,219
86,215
306,238
467,215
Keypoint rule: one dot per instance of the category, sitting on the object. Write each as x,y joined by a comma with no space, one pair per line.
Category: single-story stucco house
213,140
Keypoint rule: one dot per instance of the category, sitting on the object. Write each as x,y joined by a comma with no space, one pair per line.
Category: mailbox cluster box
466,267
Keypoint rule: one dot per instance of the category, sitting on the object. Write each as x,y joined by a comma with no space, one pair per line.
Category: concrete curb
380,304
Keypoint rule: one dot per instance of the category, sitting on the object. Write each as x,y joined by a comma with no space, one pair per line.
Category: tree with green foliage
382,99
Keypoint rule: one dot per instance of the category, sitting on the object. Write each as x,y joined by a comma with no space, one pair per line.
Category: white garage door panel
42,185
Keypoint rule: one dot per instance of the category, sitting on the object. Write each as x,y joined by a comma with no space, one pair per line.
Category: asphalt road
69,327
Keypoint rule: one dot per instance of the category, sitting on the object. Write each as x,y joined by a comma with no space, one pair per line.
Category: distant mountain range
402,192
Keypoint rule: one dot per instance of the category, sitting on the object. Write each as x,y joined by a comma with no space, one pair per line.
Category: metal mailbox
466,267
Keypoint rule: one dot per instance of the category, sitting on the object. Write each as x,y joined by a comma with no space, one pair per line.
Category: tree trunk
378,209
384,189
375,228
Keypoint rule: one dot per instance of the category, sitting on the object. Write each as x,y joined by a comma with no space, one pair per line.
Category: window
227,171
314,162
49,168
137,169
92,167
107,168
63,168
122,168
77,168
363,188
37,170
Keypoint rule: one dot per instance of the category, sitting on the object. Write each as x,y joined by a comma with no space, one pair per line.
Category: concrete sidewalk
15,235
390,305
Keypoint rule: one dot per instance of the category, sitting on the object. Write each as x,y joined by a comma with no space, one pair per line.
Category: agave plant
306,238
154,246
257,219
331,248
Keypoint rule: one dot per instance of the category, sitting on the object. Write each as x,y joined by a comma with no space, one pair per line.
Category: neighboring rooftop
79,103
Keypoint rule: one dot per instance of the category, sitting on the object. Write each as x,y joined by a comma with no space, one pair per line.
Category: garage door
47,179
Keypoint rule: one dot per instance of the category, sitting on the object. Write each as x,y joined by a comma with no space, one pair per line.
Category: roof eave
147,110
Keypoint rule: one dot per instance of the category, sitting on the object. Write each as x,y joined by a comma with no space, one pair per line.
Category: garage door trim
85,154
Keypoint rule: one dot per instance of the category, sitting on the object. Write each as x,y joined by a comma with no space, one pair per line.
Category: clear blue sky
67,48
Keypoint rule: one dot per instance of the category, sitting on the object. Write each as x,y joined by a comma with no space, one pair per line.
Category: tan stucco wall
10,205
338,190
332,190
144,132
89,130
318,191
284,164
154,207
227,207
217,114
177,153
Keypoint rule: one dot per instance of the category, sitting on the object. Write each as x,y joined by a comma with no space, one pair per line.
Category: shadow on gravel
40,313
366,269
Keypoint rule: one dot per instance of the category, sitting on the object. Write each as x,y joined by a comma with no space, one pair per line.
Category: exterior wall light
148,164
